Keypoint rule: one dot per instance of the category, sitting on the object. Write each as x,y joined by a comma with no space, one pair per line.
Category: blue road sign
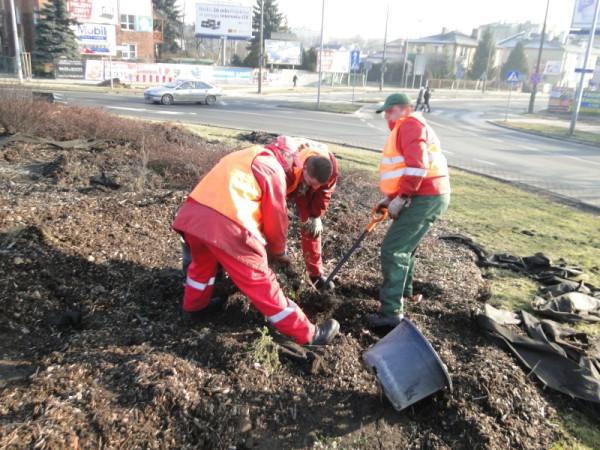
584,70
514,76
354,60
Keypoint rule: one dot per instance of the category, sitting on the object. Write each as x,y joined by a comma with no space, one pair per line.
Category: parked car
183,91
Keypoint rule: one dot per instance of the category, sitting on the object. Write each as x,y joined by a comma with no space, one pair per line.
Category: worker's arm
412,137
271,179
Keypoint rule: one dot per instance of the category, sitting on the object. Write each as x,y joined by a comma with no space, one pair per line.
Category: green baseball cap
395,99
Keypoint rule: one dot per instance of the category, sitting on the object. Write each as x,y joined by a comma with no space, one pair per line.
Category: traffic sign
584,70
536,78
514,76
354,60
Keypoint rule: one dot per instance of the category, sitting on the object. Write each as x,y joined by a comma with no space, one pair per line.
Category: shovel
377,216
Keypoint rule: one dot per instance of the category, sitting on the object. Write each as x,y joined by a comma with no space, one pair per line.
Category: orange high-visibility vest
299,161
393,167
231,189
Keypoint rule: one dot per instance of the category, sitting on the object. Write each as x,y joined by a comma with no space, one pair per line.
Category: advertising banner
583,14
66,68
336,61
216,20
283,52
96,39
93,11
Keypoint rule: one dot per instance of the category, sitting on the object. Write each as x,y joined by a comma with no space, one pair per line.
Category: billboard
96,39
583,14
553,68
336,61
283,52
94,11
215,20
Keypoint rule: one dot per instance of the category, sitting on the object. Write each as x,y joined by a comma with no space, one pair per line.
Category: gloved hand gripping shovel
377,216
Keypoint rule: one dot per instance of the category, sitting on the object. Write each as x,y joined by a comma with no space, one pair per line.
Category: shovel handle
378,215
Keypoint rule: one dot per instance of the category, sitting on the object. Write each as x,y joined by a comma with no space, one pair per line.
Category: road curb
539,133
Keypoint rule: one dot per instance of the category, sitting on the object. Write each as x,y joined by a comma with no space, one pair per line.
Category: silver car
183,91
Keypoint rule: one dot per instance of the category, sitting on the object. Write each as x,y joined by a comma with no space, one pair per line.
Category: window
129,51
201,85
127,22
186,85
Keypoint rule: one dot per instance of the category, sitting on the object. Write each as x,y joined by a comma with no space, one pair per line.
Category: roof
531,41
453,38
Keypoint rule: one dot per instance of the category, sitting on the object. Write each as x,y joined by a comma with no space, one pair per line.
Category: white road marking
483,161
447,152
496,140
223,103
170,113
123,108
577,158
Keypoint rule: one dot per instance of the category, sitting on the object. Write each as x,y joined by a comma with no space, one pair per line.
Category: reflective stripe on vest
393,166
299,161
199,286
231,189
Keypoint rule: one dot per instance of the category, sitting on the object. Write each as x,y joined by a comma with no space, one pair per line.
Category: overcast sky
412,18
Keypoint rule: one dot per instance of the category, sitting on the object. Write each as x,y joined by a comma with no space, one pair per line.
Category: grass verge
505,218
553,131
339,108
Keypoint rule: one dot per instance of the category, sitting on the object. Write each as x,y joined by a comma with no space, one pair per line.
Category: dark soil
94,353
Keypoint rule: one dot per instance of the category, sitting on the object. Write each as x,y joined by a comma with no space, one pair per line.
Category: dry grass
174,153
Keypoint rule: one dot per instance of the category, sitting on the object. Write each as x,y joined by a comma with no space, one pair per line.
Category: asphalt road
470,142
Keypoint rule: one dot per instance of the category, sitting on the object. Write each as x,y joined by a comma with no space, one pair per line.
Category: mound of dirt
91,291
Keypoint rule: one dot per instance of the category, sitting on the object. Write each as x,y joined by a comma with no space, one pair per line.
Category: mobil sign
96,39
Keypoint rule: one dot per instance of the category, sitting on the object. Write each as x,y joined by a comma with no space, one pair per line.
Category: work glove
384,203
313,226
397,205
282,259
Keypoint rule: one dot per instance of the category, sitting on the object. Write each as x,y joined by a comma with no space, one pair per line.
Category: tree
54,36
517,60
483,57
309,59
273,22
438,66
172,24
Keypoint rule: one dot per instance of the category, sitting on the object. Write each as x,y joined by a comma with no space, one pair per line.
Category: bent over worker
414,178
311,199
234,218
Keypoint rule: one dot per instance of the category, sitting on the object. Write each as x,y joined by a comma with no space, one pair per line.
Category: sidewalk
587,131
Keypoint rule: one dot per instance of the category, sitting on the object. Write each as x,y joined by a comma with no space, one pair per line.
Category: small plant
264,352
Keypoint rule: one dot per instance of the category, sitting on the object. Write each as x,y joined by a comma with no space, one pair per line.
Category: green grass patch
554,131
580,433
340,108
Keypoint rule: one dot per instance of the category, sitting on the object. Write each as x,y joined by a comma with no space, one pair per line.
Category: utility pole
405,64
260,52
585,64
321,57
387,16
534,87
13,18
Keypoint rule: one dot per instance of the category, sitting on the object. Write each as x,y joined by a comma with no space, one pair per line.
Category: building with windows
128,30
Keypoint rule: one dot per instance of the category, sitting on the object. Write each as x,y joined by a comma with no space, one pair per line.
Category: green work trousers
399,246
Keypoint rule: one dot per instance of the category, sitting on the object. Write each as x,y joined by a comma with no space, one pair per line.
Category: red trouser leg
311,250
263,290
200,278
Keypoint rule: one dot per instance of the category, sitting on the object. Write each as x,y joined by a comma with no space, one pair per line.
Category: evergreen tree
483,56
309,59
54,36
172,24
273,22
517,60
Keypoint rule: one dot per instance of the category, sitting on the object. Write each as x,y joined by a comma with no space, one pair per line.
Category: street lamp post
13,18
537,67
387,16
585,64
260,52
321,58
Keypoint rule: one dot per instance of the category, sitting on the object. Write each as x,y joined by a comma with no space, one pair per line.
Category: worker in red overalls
311,202
234,218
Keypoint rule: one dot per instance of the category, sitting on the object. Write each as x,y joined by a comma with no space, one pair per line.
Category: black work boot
325,332
321,284
215,304
378,320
